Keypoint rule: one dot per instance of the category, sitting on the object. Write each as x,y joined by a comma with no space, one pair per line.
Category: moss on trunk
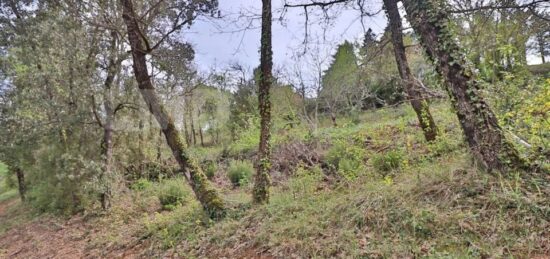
262,180
486,139
204,191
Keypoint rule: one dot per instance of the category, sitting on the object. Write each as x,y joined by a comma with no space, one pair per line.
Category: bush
443,144
172,193
209,167
346,158
388,161
246,143
8,180
240,172
62,183
142,184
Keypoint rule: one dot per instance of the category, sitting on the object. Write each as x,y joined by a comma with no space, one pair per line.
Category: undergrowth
379,191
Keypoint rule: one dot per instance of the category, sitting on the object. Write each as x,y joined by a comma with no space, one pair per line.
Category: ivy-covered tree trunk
206,194
262,178
430,20
412,88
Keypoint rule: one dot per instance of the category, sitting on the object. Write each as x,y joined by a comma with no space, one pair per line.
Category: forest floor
52,237
432,202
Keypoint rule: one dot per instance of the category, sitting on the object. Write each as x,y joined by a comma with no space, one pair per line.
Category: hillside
392,195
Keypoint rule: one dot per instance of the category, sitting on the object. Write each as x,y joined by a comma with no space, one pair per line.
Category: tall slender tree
414,92
262,178
206,194
430,19
113,69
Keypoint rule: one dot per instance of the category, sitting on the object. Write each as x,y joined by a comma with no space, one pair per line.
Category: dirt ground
50,238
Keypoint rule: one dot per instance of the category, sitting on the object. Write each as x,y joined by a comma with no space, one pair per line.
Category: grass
6,193
431,201
449,209
3,168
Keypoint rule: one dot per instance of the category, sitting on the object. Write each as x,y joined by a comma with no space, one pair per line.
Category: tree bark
541,41
412,88
185,128
200,127
480,125
262,178
192,125
206,194
113,69
21,183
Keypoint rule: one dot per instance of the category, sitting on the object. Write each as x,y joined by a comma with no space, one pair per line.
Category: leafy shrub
349,168
142,184
240,172
209,167
72,187
247,141
153,171
172,193
305,181
443,145
388,161
7,179
346,158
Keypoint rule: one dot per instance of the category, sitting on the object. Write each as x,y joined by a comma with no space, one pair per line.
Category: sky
236,37
218,43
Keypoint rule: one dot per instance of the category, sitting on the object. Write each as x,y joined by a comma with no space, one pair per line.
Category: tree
430,19
204,191
341,91
414,92
262,180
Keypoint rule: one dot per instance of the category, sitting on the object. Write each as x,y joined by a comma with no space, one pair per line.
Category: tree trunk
480,125
141,143
185,128
541,41
262,179
206,194
159,146
21,183
414,93
200,127
333,119
192,117
113,69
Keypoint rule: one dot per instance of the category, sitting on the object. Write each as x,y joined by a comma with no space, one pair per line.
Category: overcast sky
219,43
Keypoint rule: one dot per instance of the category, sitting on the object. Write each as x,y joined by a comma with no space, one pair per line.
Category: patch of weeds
182,223
246,143
443,144
141,185
209,167
10,194
347,159
173,193
240,172
388,161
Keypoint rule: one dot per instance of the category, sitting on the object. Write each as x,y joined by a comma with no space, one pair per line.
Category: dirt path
36,239
51,238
